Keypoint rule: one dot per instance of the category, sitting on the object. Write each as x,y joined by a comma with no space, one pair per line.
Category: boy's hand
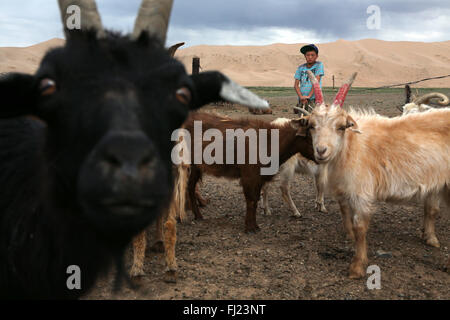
303,100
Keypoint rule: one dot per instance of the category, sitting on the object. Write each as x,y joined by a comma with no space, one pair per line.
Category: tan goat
166,232
372,158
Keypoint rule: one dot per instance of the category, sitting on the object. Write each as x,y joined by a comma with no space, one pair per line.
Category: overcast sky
245,22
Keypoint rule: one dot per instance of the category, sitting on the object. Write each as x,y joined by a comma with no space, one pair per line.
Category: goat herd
86,145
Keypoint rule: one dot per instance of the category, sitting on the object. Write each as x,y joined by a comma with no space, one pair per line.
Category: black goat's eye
183,95
47,87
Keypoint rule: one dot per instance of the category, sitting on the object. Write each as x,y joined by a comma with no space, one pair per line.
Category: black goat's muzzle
123,184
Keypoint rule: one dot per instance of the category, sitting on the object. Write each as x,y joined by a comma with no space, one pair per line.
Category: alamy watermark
373,22
73,21
374,280
73,281
235,147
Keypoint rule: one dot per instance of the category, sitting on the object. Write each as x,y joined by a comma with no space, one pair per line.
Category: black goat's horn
89,16
153,17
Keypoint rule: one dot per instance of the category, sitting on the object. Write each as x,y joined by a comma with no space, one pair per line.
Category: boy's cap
309,47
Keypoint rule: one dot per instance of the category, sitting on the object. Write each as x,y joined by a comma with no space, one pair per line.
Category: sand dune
25,59
377,62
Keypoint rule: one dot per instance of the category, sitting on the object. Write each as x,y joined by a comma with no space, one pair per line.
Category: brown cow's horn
90,18
153,17
427,97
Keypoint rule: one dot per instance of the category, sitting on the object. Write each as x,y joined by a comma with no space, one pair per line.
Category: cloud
240,37
250,22
323,20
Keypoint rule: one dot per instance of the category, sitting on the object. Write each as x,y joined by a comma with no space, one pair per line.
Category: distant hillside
25,59
377,62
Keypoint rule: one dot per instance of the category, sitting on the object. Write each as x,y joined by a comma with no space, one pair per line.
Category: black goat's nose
126,151
321,150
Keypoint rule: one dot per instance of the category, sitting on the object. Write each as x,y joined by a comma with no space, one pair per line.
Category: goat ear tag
351,123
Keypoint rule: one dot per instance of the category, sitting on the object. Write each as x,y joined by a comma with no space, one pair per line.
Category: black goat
85,147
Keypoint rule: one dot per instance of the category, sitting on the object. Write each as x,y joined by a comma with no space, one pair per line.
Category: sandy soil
294,258
377,62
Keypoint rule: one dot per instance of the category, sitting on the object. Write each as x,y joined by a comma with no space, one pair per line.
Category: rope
412,82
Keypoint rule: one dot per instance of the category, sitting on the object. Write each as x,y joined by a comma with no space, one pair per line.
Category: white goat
373,158
420,104
296,164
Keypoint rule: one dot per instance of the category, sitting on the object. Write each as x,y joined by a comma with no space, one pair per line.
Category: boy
305,92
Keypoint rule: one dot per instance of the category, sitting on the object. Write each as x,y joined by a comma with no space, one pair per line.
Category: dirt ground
294,258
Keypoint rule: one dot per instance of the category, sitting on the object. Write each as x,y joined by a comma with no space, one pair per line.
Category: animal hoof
252,230
158,247
321,207
170,276
267,212
297,214
356,272
199,217
203,202
136,272
182,220
433,241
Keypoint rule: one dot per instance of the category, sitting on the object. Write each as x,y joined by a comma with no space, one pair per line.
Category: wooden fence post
195,65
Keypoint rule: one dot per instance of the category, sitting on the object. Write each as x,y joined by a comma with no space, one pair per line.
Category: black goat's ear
214,86
17,94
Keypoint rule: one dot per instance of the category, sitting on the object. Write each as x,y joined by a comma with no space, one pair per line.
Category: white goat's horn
427,97
306,113
153,17
342,93
317,90
90,18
